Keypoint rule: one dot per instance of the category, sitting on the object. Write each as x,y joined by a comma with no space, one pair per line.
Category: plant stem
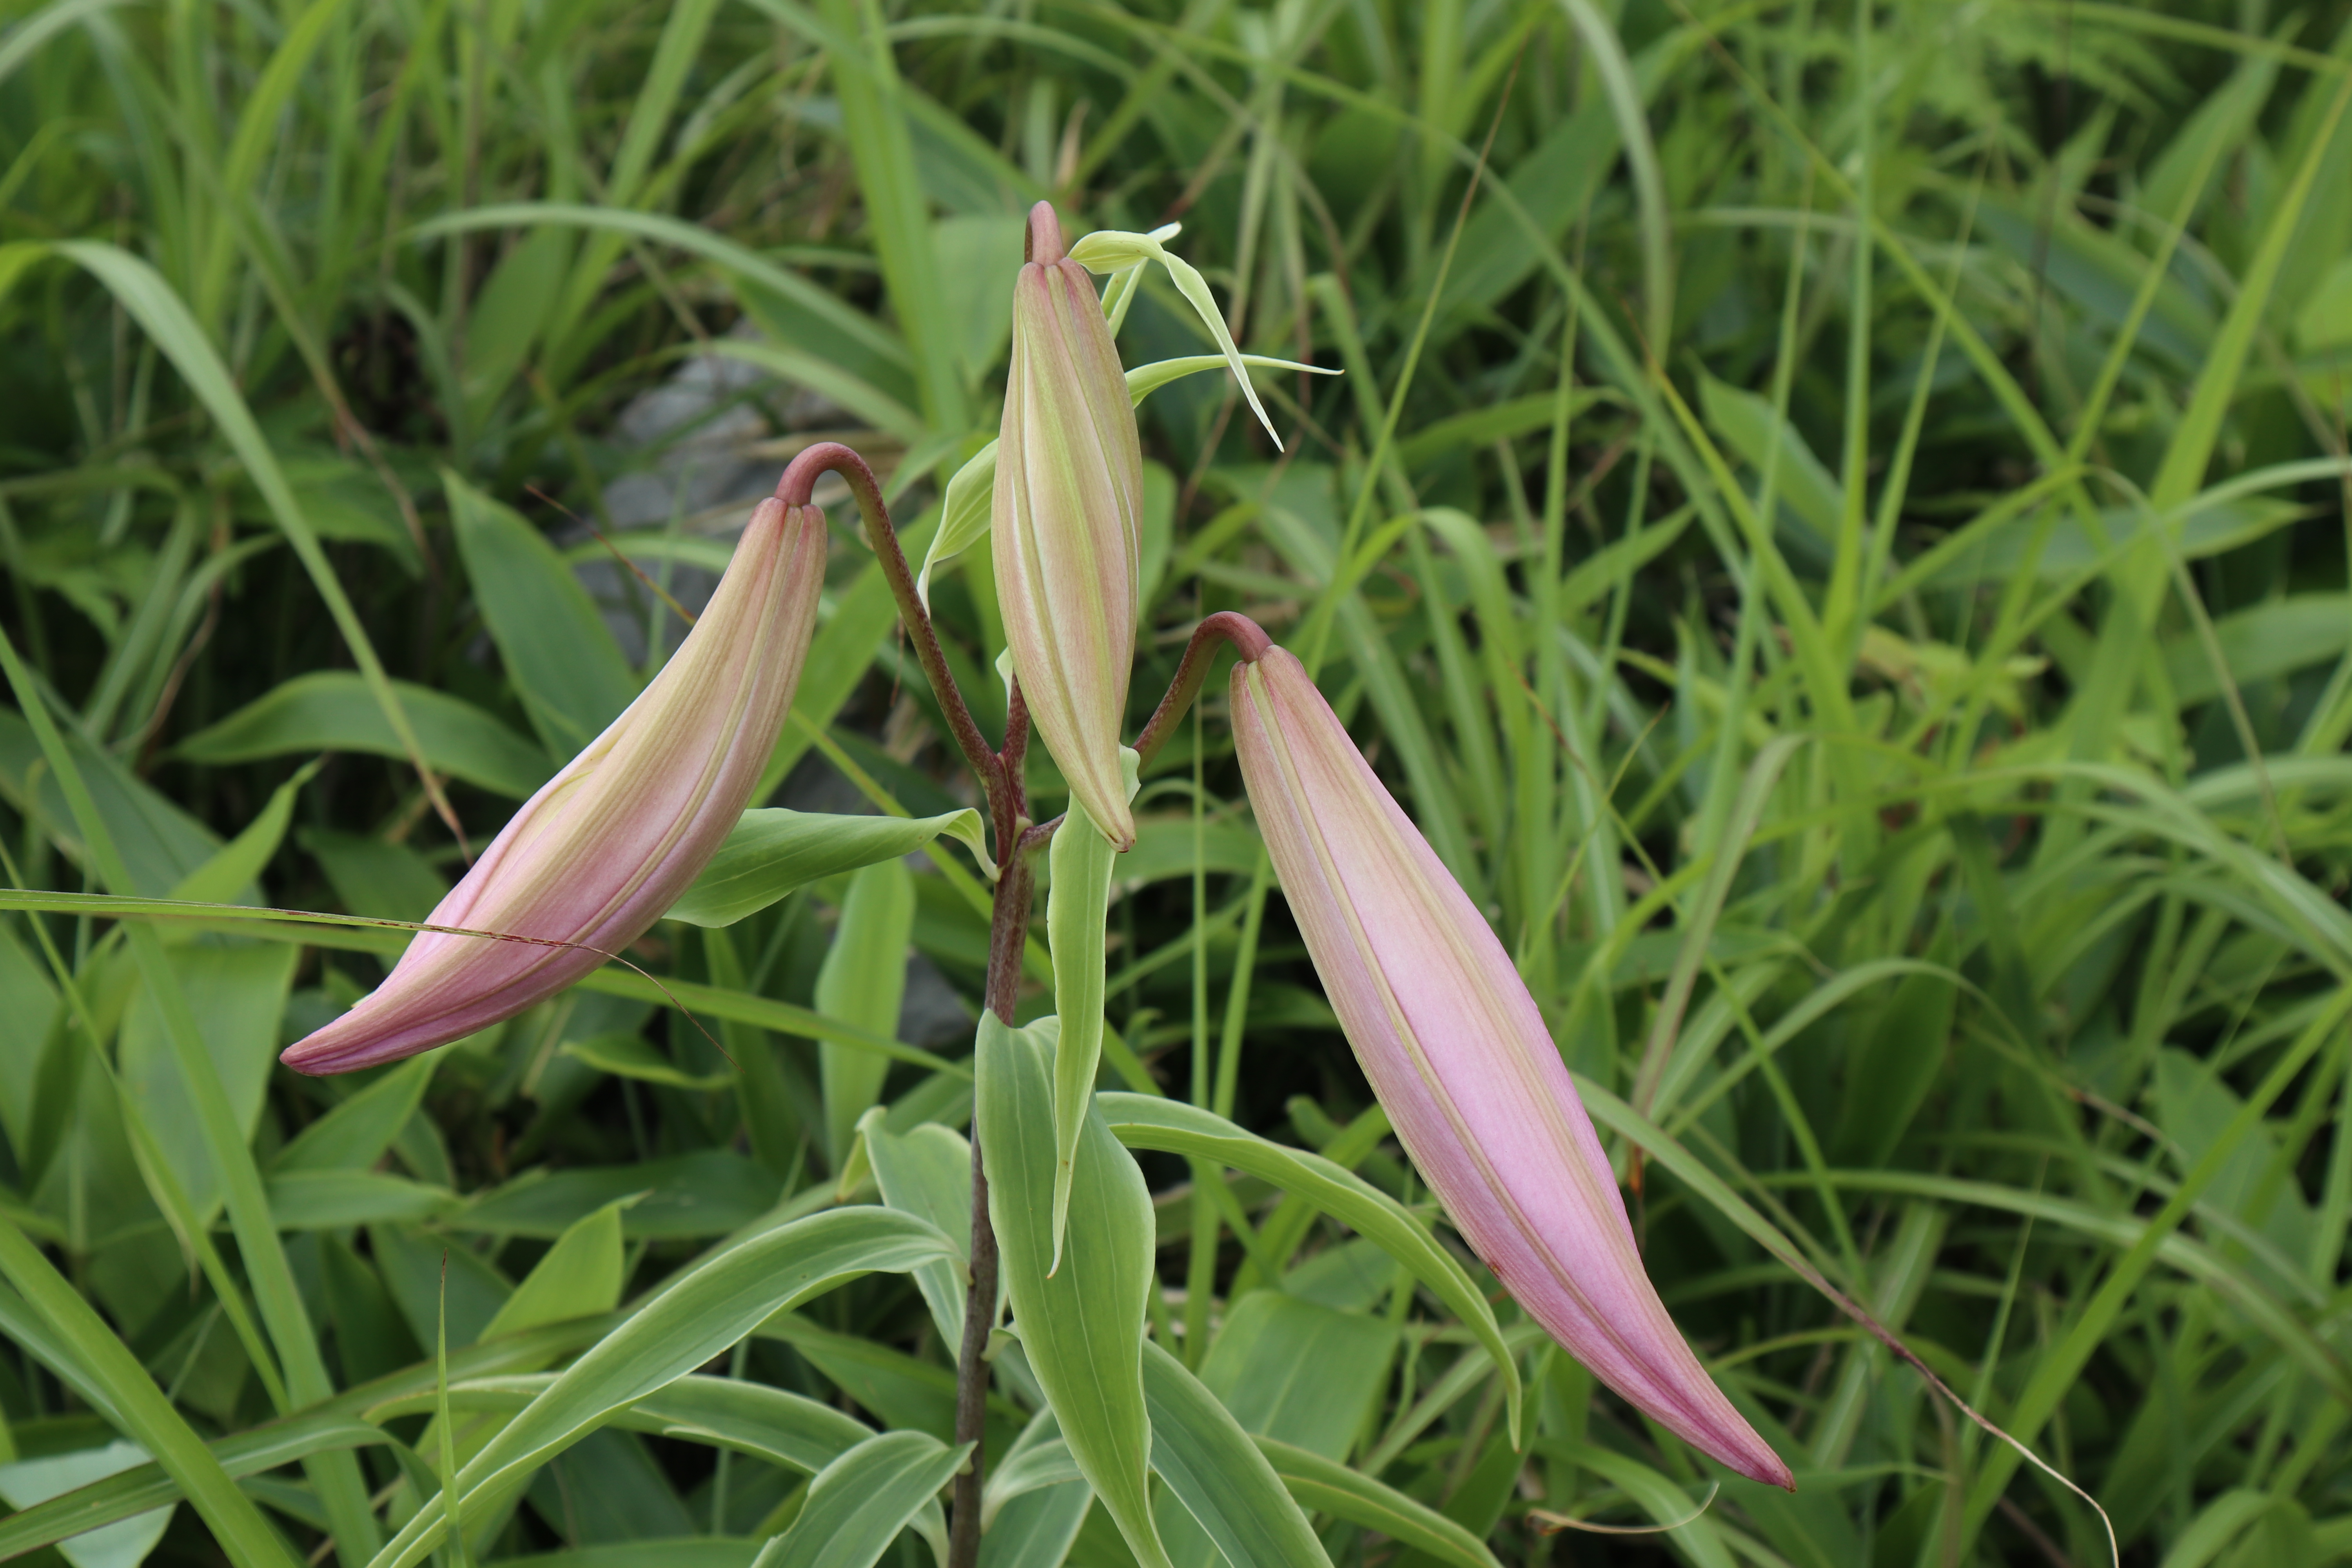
793,490
1008,935
1249,640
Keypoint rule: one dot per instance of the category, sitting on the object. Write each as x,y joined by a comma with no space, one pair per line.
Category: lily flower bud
1068,534
609,843
1461,1059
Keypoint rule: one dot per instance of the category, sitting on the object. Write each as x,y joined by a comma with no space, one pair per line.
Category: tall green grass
1834,523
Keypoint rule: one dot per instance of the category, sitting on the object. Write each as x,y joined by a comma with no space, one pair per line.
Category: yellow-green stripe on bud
1067,533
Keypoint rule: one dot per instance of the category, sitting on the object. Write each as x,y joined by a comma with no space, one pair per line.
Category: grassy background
1835,524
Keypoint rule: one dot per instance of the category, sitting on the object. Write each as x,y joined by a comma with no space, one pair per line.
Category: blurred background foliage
1834,523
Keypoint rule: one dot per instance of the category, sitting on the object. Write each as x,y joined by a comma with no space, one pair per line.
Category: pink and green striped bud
1067,532
1461,1059
604,848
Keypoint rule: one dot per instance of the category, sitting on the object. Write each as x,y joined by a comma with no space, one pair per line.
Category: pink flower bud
609,843
1461,1059
1067,533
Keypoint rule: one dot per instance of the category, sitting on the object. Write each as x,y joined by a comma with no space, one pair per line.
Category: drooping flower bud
1461,1059
609,843
1068,532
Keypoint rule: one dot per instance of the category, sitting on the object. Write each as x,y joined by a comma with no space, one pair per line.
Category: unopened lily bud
1068,532
607,846
1460,1058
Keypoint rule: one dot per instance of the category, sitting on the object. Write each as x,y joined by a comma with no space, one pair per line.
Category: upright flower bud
608,845
1460,1058
1067,535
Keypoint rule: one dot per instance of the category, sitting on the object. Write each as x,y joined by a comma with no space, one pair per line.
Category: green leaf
1077,904
1329,1487
699,1314
1038,1459
1299,1370
506,319
160,844
770,1423
1082,1325
1037,1528
857,1504
25,39
1216,1471
139,1406
148,299
1766,443
685,1551
419,1269
1146,379
1664,1501
1108,250
237,864
625,1055
354,1134
979,254
863,981
2103,690
820,375
565,665
771,851
927,1172
2325,320
708,1193
235,995
965,515
1144,1122
327,710
1164,849
2260,643
874,114
855,325
25,1484
767,1423
134,1491
580,1276
376,878
583,1273
898,1389
331,1200
260,119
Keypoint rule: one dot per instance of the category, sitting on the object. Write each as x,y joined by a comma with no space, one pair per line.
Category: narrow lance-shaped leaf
862,982
1211,1465
771,851
1075,909
1113,250
1081,1326
857,1504
1152,1122
140,1406
696,1316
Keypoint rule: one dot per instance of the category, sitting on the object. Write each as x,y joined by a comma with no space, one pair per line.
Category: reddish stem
1248,639
795,489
